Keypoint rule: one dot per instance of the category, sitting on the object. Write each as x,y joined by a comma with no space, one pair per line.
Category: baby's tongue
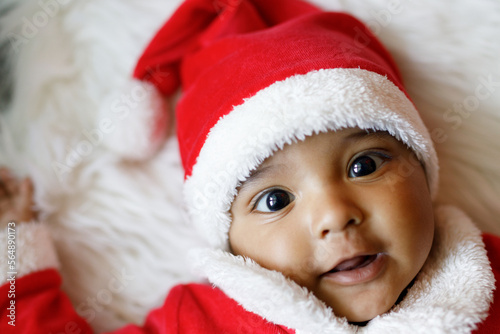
350,264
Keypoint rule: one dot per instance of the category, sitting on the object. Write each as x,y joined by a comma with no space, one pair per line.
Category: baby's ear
134,121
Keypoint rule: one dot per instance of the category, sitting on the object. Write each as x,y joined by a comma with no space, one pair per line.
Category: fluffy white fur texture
34,250
287,111
108,214
452,293
144,120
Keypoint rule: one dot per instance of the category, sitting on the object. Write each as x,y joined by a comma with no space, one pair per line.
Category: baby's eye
274,200
366,164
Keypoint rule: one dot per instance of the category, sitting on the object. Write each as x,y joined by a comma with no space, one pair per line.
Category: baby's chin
361,317
359,313
359,306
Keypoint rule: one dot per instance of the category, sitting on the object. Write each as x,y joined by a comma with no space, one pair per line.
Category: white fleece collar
452,293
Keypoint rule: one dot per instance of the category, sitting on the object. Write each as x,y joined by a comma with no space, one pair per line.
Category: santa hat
256,75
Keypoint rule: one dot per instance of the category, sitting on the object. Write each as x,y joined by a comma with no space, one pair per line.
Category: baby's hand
16,198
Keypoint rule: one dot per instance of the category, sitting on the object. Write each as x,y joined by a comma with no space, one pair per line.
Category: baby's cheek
293,258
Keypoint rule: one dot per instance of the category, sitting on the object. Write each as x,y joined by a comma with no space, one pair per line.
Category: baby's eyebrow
259,174
360,134
366,135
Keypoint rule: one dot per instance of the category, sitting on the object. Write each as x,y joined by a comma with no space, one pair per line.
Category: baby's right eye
273,200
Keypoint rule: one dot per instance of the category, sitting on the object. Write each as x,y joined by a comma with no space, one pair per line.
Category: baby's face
346,214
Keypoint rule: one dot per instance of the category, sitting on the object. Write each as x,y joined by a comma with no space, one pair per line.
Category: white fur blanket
62,61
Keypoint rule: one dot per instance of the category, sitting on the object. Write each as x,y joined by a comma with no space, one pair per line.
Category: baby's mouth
358,269
354,263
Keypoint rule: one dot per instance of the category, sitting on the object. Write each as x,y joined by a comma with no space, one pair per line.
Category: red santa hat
256,75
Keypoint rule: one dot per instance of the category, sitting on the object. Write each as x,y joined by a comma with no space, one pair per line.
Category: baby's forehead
327,142
338,140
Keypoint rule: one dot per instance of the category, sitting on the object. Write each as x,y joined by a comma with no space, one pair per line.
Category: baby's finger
3,175
25,199
10,184
3,190
26,189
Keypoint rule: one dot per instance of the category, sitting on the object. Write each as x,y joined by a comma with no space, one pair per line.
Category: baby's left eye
366,164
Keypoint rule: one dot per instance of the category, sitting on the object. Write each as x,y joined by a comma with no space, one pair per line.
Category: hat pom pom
139,120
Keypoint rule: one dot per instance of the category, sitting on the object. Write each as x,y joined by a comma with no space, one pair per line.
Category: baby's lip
353,263
356,269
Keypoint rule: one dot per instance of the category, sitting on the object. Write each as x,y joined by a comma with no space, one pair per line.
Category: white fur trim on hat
289,110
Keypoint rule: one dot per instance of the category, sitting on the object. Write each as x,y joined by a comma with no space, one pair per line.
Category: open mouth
354,263
357,270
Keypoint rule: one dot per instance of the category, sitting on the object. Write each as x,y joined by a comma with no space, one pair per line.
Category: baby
334,214
312,177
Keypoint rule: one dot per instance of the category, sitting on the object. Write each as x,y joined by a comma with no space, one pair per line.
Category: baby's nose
334,212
